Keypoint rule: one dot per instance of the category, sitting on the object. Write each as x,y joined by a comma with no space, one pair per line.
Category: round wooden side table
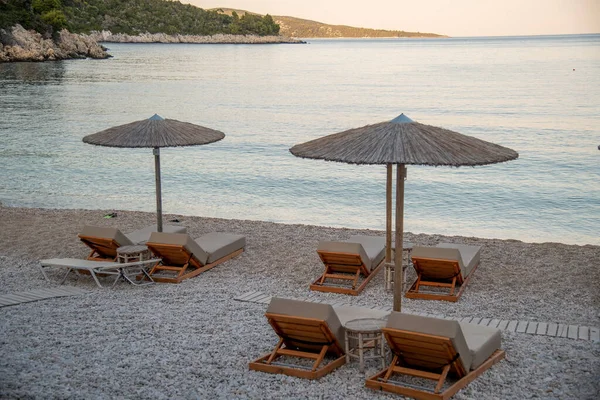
364,340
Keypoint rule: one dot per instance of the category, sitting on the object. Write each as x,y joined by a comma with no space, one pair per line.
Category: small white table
132,253
364,340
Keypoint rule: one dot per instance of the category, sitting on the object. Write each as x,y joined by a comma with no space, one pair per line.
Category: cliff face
107,36
19,44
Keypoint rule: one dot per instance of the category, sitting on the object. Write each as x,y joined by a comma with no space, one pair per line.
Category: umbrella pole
398,272
388,215
156,152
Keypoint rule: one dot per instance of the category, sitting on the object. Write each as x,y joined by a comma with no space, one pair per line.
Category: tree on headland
44,16
130,17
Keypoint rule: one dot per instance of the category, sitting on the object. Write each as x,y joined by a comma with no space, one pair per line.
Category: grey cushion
181,239
470,255
106,233
451,254
348,313
306,309
219,244
434,326
374,247
482,341
344,247
141,236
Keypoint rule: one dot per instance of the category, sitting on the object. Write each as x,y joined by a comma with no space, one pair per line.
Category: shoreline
475,236
220,38
172,340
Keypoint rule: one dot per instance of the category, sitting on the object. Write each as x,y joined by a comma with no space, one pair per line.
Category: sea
539,95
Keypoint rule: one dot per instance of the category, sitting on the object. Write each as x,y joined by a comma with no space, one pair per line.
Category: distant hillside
131,17
303,28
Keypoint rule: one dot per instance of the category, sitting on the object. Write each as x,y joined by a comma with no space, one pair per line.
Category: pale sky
449,17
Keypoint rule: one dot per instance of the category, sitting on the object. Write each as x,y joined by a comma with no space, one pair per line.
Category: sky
447,17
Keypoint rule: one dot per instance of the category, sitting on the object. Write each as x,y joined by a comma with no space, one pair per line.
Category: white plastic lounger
98,267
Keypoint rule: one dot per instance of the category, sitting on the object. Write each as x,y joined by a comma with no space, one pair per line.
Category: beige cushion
348,313
219,244
306,309
470,255
181,239
482,341
106,233
440,254
344,247
141,236
374,247
433,326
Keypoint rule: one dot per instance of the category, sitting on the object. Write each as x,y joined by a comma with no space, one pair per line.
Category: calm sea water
537,95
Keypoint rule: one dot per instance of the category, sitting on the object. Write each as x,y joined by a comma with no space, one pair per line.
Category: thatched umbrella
402,141
155,132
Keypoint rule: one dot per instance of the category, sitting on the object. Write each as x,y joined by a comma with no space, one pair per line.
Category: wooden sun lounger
104,241
183,257
445,266
447,352
309,331
359,256
97,268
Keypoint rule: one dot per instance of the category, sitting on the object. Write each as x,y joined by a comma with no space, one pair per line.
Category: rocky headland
107,36
20,44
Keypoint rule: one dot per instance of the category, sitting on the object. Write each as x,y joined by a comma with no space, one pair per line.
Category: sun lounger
105,241
95,268
307,331
445,266
359,256
185,257
450,353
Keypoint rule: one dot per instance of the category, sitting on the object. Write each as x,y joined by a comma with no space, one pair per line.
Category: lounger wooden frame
295,337
429,357
177,259
103,249
438,273
346,266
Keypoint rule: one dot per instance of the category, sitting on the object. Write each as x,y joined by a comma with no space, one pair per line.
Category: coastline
108,37
192,340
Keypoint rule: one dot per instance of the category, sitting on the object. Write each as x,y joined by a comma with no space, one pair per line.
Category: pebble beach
194,341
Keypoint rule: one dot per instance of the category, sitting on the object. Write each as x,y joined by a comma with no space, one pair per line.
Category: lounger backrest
429,343
374,247
104,240
176,248
437,262
306,325
343,254
470,255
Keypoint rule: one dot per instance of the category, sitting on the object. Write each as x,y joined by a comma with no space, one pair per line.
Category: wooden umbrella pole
388,215
398,272
156,152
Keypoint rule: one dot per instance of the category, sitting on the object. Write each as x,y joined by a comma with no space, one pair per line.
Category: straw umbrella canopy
155,132
402,141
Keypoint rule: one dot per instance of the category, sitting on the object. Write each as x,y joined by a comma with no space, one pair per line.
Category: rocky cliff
19,44
107,36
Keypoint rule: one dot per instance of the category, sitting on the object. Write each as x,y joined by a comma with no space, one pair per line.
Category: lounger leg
390,369
356,279
442,379
44,273
417,283
65,276
320,358
274,353
453,286
95,277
